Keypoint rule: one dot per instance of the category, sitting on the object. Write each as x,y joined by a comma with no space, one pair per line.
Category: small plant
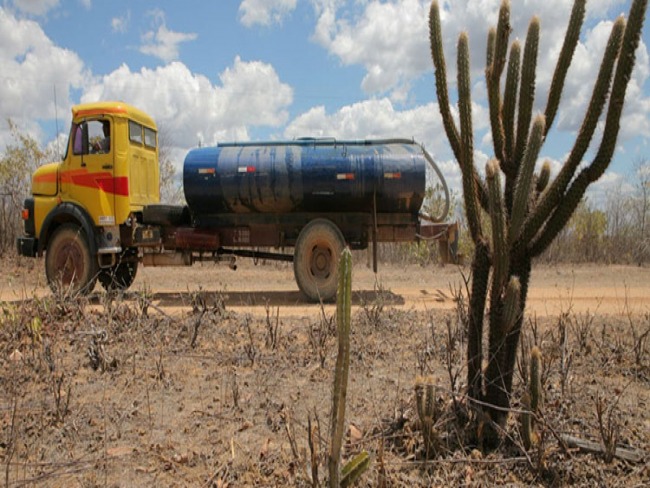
319,332
608,427
566,353
61,392
272,326
99,358
250,348
313,435
453,361
425,403
532,399
581,326
373,309
143,301
234,390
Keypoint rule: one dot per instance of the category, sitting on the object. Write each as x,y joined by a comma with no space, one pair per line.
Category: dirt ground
206,376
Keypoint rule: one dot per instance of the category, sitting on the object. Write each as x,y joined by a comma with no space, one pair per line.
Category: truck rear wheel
69,265
120,276
316,260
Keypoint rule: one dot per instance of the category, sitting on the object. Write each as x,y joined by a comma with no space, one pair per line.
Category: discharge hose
443,214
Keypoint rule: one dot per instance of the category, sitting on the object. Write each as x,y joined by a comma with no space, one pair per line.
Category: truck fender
67,212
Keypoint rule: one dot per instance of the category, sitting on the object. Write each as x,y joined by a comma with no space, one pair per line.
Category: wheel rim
69,262
321,262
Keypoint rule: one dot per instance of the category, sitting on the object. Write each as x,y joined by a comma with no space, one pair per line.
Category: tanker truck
97,216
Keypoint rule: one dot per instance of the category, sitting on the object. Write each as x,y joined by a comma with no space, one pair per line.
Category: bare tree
170,186
17,163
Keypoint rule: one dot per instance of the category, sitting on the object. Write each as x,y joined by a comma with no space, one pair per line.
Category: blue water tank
305,175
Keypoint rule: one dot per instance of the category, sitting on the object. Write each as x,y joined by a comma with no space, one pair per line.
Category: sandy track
600,289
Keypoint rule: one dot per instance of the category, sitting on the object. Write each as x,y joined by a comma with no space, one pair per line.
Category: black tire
160,214
121,276
316,260
69,265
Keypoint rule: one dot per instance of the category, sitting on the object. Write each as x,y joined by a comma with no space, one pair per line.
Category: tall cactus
339,394
526,210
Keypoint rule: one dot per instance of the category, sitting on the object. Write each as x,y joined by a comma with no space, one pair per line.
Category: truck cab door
88,177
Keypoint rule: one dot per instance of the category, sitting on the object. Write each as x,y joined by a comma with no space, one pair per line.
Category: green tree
526,210
587,227
641,212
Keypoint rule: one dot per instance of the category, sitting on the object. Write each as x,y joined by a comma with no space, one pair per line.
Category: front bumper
26,246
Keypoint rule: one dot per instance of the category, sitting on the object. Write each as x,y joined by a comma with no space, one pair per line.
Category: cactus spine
339,395
526,211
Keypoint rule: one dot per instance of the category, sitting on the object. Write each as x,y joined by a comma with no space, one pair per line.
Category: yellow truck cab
83,205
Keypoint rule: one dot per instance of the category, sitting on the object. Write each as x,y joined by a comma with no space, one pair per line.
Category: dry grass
115,392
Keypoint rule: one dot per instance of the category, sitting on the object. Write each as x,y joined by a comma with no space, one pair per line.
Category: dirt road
594,288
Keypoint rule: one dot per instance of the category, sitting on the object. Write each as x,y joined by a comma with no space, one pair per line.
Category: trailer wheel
120,276
69,265
316,260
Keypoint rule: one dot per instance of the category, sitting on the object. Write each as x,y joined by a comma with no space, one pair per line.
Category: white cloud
121,24
86,3
370,119
35,7
389,39
599,192
265,12
191,108
32,67
163,43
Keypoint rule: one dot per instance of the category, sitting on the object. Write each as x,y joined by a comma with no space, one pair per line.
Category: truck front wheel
69,265
316,260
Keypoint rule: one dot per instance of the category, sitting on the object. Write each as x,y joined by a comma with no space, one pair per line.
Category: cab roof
116,109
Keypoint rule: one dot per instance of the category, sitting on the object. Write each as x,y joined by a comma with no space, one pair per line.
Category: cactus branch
470,193
491,40
438,56
626,60
510,104
527,88
493,76
511,303
564,61
555,193
525,178
477,299
543,178
498,219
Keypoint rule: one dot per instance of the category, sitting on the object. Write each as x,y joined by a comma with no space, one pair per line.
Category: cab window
91,137
135,132
150,138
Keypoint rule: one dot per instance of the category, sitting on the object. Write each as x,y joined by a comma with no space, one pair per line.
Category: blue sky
212,71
